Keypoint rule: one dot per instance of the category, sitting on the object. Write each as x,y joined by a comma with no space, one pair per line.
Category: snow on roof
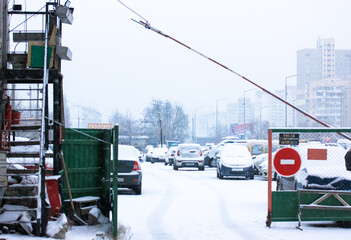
126,152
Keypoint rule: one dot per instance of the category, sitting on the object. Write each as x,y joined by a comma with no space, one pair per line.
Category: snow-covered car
158,155
234,160
149,153
189,155
326,171
170,156
210,159
129,169
261,165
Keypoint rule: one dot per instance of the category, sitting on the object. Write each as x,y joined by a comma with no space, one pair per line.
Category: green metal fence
320,190
89,162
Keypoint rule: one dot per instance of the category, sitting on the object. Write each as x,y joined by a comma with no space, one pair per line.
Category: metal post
41,195
245,110
3,34
217,134
286,98
115,183
159,115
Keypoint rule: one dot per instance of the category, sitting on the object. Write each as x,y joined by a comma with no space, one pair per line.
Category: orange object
316,154
16,116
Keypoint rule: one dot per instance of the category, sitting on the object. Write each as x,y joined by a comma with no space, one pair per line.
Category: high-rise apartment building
323,74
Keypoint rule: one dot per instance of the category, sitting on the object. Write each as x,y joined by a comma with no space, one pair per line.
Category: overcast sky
118,64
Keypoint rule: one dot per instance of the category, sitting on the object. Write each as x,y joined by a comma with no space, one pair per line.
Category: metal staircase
31,111
33,133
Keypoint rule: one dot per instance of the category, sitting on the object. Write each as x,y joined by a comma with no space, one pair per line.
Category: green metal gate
87,154
306,198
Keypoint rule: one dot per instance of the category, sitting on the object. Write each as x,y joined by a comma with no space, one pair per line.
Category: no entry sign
287,162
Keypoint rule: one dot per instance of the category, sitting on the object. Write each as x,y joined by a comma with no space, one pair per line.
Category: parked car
129,169
170,155
210,158
325,171
189,155
149,153
158,155
234,160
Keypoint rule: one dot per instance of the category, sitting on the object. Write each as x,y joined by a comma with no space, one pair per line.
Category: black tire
217,174
165,163
220,175
202,168
252,176
175,167
212,163
137,189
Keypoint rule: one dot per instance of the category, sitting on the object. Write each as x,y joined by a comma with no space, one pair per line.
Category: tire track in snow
224,213
156,218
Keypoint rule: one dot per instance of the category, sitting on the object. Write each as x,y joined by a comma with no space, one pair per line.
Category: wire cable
133,11
83,133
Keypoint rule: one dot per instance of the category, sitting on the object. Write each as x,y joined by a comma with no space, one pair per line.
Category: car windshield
235,151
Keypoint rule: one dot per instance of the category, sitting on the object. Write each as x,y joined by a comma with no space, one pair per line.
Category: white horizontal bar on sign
287,161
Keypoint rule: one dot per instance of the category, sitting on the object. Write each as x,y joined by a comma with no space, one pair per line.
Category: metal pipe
286,98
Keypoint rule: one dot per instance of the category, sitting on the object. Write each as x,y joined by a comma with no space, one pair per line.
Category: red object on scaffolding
6,127
53,193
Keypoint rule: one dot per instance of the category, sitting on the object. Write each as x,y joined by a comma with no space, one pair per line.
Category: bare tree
162,116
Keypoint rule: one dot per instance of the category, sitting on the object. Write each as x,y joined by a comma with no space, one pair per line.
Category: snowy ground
191,204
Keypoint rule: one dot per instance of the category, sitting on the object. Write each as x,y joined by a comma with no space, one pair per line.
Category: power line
132,10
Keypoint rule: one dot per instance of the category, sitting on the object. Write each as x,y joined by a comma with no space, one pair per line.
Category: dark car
129,169
234,160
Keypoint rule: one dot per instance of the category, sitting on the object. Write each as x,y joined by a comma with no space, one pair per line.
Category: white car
170,155
234,160
158,155
149,153
189,155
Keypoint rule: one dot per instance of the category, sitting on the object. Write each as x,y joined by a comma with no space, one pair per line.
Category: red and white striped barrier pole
148,26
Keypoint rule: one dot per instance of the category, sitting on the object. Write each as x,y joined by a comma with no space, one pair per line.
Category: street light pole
159,116
286,97
261,120
217,118
245,109
195,138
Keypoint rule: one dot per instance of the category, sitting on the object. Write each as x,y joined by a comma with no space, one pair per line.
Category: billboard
243,129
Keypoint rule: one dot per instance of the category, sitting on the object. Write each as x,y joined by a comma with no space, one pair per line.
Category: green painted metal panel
87,154
311,130
285,207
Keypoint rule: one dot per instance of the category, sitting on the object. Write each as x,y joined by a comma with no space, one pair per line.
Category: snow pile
57,229
96,217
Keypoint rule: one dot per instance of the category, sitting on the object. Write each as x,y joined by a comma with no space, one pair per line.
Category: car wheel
252,176
220,175
175,167
165,163
137,189
212,163
202,168
217,174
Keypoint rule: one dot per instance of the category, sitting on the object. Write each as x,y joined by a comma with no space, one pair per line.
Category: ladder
29,157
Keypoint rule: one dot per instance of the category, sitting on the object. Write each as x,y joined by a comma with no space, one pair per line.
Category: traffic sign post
287,162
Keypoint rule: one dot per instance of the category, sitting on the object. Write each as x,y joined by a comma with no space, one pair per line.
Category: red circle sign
287,162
